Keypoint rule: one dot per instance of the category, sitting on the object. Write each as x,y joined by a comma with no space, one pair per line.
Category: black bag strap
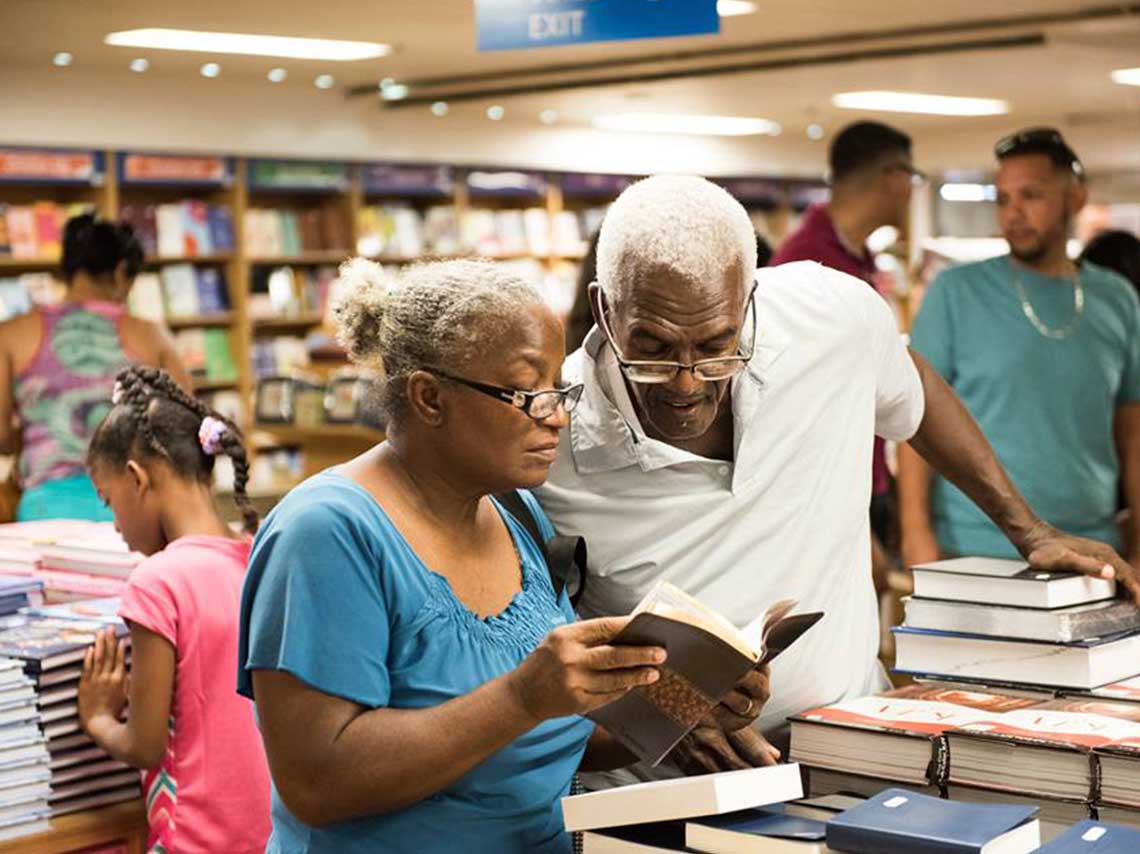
565,556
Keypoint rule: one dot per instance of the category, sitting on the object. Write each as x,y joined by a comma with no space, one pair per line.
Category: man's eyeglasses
1042,140
539,405
918,178
707,370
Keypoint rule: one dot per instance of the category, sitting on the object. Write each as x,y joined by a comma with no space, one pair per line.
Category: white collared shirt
789,517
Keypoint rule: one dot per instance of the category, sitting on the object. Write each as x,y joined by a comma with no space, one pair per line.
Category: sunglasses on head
1040,141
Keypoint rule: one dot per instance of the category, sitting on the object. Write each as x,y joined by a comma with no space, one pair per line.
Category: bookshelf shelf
214,385
323,256
268,324
122,824
28,265
222,319
162,261
276,435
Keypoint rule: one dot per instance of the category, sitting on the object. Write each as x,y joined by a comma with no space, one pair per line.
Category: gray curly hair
681,222
436,315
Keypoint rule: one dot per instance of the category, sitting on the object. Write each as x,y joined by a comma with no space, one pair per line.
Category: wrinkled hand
741,706
576,670
1048,548
103,683
708,749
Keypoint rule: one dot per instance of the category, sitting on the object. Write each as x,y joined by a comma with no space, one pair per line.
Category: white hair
681,222
440,315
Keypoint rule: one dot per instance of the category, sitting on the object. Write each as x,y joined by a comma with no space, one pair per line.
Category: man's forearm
1127,432
914,491
950,440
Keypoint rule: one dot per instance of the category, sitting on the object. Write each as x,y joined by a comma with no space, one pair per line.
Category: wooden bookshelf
285,435
202,260
214,385
119,824
300,321
8,264
320,256
225,318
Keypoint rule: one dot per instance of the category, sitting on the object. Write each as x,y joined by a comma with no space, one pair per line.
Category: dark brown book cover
700,669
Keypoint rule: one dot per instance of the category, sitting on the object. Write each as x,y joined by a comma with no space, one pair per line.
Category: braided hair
153,417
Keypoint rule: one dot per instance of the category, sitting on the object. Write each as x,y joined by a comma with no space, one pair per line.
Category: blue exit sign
519,24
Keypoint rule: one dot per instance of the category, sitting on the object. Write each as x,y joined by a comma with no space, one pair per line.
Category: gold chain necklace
1043,329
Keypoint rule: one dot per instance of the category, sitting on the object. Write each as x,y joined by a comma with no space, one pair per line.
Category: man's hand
1048,548
741,706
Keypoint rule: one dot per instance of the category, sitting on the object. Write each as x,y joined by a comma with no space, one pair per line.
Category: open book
707,656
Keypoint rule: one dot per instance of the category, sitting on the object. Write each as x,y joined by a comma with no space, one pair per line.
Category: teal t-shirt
336,597
1046,405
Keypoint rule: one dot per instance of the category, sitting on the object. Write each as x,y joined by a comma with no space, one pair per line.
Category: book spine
866,840
1094,777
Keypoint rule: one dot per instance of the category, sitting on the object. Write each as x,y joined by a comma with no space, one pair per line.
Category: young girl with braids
205,775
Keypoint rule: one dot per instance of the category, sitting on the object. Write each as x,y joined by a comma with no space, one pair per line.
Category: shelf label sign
520,24
164,169
298,175
24,164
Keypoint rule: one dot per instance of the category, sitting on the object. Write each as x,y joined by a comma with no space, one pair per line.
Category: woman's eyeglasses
539,405
707,370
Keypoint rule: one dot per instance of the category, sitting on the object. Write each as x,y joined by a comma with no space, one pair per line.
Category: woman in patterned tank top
58,364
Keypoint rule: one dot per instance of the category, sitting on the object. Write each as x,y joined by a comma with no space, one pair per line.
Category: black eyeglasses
539,405
1042,140
708,370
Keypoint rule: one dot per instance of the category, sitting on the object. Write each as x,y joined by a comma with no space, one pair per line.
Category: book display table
120,827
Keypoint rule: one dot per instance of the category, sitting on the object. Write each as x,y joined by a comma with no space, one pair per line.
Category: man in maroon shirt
871,180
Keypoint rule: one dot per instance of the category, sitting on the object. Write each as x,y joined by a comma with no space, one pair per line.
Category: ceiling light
915,102
394,92
815,131
254,45
685,124
968,192
211,69
277,75
62,59
495,112
324,81
1126,76
548,117
731,8
139,65
440,109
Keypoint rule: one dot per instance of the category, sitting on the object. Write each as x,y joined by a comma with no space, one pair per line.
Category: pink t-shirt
211,792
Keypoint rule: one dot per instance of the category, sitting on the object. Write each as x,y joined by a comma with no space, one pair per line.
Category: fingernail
659,656
1108,571
652,677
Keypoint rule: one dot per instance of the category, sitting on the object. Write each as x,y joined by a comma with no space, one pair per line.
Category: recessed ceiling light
968,192
251,44
211,69
394,92
440,109
324,81
62,59
730,8
139,65
495,112
815,131
687,124
548,117
1126,76
277,75
916,102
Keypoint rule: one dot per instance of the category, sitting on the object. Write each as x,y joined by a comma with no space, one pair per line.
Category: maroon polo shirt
817,240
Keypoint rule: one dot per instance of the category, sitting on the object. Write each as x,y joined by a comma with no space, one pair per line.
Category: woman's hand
103,683
576,670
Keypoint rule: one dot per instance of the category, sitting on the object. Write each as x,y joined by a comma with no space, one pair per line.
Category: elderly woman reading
416,678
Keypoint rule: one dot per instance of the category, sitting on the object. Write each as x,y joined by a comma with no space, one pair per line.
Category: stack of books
51,649
999,621
73,559
283,232
19,591
25,778
181,229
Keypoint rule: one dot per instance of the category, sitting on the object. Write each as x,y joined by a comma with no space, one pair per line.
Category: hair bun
359,311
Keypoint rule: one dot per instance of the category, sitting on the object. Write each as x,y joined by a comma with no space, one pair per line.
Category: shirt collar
605,433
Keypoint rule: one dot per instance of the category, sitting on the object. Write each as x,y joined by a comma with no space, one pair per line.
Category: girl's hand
575,669
103,684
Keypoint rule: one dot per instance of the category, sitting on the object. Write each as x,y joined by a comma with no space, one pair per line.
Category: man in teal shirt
1045,355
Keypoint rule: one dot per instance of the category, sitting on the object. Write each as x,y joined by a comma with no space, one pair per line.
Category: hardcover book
707,656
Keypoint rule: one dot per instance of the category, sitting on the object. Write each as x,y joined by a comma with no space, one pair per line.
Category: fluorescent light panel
252,45
686,124
916,102
1126,76
731,8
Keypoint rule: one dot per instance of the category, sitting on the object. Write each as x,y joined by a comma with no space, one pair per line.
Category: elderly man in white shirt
723,443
